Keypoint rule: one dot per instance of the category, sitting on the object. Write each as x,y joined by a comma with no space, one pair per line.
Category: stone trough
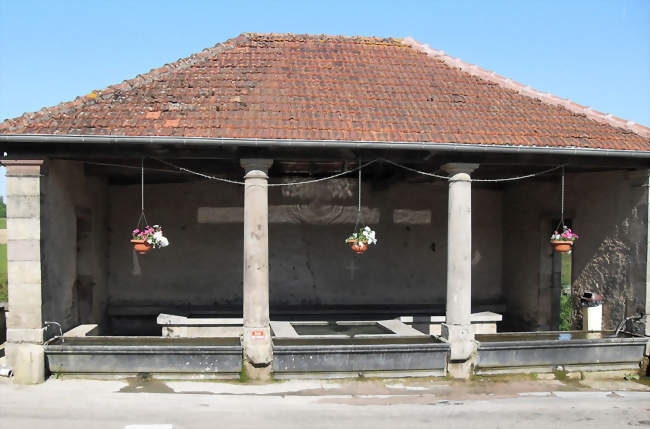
178,357
351,357
387,348
528,352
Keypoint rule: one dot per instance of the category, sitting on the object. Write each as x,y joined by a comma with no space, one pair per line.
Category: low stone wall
3,322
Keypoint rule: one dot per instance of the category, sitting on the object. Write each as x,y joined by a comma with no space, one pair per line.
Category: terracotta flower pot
358,246
561,245
141,246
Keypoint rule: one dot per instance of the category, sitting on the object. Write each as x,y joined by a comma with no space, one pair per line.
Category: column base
461,341
257,372
27,362
461,370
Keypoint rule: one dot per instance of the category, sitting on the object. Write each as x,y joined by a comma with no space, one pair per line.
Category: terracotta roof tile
284,86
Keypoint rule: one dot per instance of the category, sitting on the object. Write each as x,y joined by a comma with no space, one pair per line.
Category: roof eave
207,142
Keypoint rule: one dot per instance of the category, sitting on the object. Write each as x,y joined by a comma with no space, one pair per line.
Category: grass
3,273
3,223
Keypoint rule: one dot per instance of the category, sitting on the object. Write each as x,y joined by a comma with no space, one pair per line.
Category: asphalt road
374,404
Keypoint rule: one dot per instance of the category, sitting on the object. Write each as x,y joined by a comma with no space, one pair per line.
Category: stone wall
612,260
74,245
609,211
310,265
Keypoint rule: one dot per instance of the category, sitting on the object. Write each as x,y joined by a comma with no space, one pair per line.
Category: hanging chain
142,184
142,215
359,192
561,222
359,167
358,220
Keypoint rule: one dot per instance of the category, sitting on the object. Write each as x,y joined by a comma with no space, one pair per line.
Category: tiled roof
283,86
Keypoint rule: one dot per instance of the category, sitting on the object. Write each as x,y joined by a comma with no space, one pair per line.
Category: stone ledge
482,317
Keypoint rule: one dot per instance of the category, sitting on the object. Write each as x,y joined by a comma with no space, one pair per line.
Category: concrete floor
412,403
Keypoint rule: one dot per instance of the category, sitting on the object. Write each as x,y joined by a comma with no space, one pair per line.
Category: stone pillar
457,328
646,174
258,349
24,320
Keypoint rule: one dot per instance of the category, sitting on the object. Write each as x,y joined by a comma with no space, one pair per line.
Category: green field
566,305
3,223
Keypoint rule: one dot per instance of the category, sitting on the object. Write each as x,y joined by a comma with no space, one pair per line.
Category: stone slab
283,329
400,328
170,319
202,331
82,330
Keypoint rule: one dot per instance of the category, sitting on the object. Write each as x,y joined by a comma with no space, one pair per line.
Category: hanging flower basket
358,246
359,241
141,246
563,242
151,237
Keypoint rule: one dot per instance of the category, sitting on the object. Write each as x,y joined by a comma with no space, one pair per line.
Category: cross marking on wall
352,267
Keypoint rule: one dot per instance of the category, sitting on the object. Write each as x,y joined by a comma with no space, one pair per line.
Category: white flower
163,242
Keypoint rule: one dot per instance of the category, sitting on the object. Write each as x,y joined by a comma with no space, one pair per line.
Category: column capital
454,168
252,165
23,167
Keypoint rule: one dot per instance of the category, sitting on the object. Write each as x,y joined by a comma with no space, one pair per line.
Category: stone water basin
347,357
522,352
214,357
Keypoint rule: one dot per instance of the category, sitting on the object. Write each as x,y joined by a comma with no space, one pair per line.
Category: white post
258,349
457,328
25,318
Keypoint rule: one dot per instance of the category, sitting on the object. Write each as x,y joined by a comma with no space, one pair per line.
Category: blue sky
597,53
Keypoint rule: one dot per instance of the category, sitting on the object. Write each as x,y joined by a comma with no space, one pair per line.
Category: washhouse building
260,156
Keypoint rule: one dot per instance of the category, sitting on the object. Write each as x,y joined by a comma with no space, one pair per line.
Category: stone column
24,319
258,349
646,360
457,328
